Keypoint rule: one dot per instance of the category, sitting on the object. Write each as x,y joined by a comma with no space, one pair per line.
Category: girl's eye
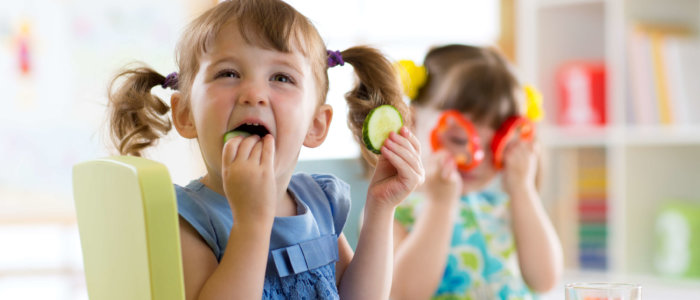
227,73
282,78
458,140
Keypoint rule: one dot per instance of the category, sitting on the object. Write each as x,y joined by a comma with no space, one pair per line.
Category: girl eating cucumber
251,89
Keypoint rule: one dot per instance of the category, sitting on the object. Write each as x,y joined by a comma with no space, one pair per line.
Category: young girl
457,238
249,227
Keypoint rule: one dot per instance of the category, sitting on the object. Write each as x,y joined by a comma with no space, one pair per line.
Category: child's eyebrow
225,59
289,64
283,62
219,61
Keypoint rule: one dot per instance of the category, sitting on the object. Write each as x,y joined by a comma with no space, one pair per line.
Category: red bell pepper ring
473,155
514,127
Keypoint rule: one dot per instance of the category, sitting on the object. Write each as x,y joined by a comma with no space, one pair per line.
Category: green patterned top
482,262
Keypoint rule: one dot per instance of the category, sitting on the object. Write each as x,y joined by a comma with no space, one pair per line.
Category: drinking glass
603,291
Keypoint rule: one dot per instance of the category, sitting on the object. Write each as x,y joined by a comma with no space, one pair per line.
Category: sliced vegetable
380,121
231,134
513,128
471,154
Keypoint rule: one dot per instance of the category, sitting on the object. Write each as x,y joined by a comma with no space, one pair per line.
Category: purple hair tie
334,58
170,81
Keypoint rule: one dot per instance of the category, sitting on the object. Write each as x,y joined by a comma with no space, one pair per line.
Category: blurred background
621,87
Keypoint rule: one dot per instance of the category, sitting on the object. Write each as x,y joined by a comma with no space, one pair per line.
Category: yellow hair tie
412,77
533,100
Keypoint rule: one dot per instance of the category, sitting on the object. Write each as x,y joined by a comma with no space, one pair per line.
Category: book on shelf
663,65
592,209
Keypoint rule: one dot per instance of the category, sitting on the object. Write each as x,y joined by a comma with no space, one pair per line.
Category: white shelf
575,137
554,32
562,3
636,136
663,135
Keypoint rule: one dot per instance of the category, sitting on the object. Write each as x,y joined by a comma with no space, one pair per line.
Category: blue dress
303,248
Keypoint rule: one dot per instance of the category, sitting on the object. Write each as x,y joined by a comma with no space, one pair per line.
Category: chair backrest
129,233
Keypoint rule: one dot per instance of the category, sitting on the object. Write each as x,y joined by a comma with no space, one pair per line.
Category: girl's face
240,84
455,140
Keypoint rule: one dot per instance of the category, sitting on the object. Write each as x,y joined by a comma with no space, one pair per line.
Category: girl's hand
520,166
399,170
248,177
443,184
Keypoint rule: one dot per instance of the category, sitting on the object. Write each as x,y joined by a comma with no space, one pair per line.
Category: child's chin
472,183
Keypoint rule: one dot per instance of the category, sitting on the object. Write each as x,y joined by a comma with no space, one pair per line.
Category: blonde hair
138,118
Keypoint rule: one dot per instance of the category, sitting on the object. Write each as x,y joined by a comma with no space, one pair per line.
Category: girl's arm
421,255
247,165
368,275
539,249
398,172
345,255
198,261
239,275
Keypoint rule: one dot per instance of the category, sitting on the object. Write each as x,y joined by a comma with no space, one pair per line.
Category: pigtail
377,84
137,117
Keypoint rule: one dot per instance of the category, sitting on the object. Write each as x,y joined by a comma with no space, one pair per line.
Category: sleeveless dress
303,248
482,260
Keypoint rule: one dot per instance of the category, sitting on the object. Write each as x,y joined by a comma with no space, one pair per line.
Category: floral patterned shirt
482,262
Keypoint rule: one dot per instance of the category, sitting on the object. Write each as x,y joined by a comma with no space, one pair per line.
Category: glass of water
603,291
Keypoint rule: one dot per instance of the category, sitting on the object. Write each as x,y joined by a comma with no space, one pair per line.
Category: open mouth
253,129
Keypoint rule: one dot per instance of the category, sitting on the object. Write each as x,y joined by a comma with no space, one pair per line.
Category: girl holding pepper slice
456,237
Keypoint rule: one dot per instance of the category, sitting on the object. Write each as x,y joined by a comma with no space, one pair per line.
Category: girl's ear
182,117
319,126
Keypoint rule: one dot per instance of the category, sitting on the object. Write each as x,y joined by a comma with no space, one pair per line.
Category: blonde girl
249,227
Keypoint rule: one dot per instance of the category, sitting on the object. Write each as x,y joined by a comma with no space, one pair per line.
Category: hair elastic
170,81
334,58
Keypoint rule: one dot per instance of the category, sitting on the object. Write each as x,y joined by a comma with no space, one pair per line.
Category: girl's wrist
253,223
379,208
522,188
448,203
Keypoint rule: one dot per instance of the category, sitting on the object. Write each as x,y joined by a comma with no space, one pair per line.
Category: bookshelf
636,165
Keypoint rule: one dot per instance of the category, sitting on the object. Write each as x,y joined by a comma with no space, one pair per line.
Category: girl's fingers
268,150
230,149
437,160
405,164
411,138
514,147
402,147
448,166
256,152
405,143
400,164
246,146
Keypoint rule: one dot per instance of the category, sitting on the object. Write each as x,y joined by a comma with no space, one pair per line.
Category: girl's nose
253,93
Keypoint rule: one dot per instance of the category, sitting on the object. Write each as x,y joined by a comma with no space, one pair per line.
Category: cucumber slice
378,124
231,134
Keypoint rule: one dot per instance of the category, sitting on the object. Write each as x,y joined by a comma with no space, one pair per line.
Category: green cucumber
380,121
231,134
